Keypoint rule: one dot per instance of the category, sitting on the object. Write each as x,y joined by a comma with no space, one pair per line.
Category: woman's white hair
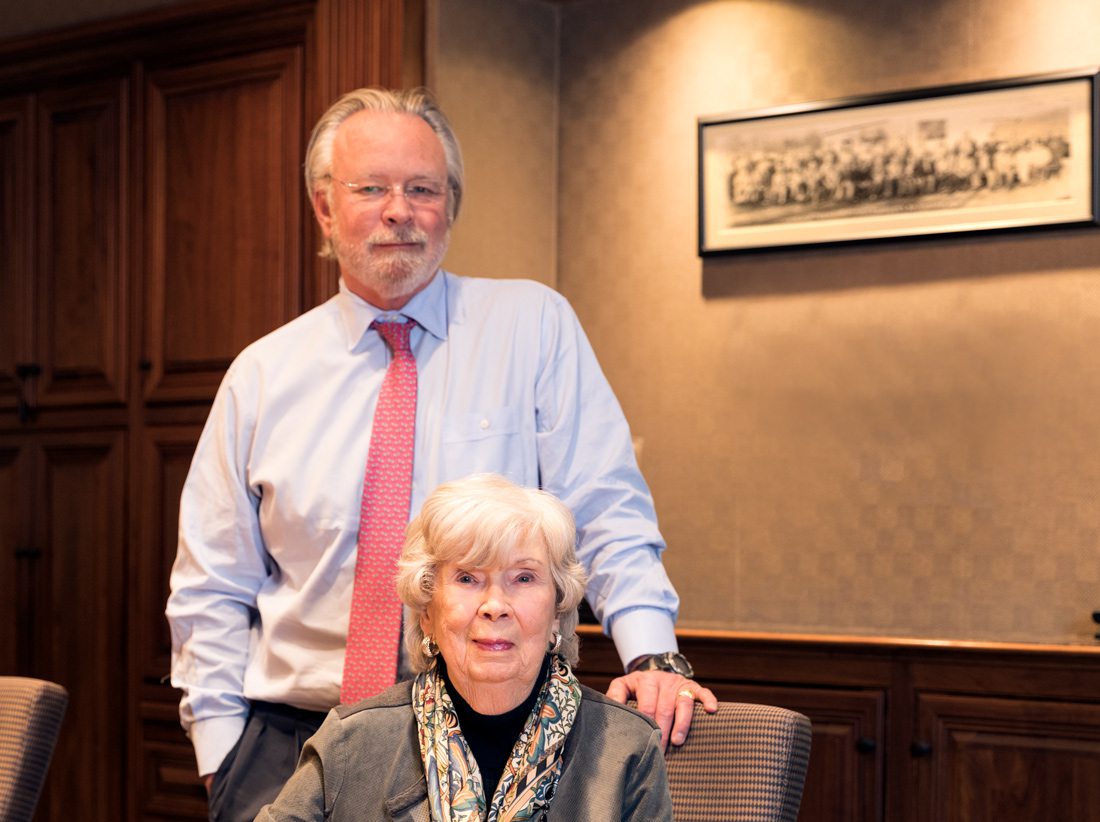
479,520
418,102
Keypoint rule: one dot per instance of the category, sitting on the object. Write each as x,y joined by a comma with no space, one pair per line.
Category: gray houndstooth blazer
364,764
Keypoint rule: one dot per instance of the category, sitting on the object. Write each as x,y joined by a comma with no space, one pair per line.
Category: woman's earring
428,647
556,645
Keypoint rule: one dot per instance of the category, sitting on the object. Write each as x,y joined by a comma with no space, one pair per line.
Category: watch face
674,662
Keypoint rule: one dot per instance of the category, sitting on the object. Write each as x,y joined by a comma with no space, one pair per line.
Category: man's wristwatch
669,661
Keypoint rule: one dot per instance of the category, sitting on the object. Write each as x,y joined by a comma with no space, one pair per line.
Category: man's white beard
394,274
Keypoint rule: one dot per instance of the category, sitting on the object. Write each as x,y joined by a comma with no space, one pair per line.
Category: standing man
280,602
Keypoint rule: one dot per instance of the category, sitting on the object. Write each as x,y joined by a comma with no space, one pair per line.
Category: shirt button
484,424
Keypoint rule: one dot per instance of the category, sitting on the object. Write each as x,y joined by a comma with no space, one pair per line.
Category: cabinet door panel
845,779
15,240
80,333
1007,759
170,783
166,457
79,621
223,215
15,560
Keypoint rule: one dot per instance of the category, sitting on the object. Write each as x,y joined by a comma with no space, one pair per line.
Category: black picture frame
1000,155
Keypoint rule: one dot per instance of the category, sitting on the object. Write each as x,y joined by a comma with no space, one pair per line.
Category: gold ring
686,692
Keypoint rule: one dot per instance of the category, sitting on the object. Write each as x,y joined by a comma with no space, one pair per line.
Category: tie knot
396,334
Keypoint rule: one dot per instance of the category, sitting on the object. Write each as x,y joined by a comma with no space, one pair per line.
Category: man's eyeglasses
415,192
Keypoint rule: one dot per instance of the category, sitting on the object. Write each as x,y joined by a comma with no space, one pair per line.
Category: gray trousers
263,759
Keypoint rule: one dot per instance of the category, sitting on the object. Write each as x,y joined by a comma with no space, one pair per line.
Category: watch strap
669,661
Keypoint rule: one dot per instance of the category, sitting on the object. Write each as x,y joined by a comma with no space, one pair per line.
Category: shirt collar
428,308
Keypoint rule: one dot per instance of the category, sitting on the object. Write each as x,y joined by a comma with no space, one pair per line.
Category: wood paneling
224,151
165,459
152,224
71,579
172,790
14,558
80,331
1007,759
15,243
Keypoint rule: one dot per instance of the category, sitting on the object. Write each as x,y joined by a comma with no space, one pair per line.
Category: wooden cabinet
223,193
16,579
153,222
64,337
165,766
163,762
63,324
989,758
79,316
916,731
845,779
66,506
164,459
16,173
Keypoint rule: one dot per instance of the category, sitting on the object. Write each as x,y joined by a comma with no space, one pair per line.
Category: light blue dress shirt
508,383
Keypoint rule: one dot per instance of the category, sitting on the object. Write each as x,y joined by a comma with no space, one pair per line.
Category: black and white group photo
873,169
1012,155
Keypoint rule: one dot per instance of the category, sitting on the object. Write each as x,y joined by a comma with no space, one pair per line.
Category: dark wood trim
173,33
788,639
1008,668
17,241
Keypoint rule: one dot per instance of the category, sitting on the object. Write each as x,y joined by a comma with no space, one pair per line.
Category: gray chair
31,711
746,763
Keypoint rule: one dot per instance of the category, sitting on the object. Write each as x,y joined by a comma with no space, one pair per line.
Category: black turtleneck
491,737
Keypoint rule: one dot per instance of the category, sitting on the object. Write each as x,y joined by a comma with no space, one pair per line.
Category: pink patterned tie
370,661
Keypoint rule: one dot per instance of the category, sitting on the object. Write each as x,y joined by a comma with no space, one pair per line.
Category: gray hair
479,520
418,102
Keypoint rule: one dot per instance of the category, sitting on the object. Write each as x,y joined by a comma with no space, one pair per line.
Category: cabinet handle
25,408
145,364
920,748
866,744
27,553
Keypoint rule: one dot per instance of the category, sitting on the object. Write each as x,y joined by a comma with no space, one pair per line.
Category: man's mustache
410,235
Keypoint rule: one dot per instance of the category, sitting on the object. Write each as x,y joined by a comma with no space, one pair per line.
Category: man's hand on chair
667,697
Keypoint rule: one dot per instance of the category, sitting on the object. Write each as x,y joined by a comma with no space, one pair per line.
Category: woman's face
493,625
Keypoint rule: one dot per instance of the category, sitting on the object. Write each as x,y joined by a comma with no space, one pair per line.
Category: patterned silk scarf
455,790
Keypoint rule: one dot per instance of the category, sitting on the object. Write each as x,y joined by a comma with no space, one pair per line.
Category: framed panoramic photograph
1008,154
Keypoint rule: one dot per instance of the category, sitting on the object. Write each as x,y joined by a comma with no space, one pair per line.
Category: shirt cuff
643,631
213,739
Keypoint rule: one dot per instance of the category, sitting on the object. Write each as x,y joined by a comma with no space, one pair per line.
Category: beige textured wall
898,439
493,67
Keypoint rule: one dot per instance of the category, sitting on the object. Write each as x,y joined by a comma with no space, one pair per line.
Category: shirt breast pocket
489,440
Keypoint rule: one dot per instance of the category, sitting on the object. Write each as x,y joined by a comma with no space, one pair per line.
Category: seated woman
495,726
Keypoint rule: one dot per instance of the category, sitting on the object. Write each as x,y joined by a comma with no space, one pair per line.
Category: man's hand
667,697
